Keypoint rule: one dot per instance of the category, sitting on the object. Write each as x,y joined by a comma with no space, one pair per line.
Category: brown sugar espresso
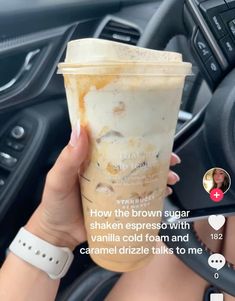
128,100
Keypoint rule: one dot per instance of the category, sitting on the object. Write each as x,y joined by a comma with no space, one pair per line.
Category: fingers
168,192
65,171
174,159
172,178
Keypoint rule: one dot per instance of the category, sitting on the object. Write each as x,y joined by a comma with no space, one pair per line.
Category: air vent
120,32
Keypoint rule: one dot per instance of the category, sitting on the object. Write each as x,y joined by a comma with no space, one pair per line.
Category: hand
173,178
59,219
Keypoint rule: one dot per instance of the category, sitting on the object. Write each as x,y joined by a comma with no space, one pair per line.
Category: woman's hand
59,219
173,178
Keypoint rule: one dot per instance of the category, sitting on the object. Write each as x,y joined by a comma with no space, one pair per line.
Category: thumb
64,173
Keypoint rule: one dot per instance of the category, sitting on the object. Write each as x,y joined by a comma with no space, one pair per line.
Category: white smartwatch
55,261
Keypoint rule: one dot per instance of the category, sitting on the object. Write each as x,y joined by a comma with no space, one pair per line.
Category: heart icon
216,221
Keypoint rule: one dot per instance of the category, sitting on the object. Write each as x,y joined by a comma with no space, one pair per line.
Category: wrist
47,232
53,260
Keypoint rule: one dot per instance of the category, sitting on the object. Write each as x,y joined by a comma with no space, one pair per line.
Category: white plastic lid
88,51
84,54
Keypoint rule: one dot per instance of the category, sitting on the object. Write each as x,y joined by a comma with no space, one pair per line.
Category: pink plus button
216,195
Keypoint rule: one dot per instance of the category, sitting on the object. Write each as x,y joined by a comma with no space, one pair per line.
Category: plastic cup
128,100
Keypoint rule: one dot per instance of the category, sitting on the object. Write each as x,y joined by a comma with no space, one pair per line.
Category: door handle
27,65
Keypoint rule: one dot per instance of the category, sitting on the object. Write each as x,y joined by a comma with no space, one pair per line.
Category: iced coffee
128,100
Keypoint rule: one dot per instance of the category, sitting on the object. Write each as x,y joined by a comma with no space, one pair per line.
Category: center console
212,29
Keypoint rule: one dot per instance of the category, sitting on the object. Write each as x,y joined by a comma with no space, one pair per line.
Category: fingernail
75,134
177,178
177,158
169,191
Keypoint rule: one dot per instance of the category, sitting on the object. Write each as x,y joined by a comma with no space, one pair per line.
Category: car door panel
42,51
43,129
22,17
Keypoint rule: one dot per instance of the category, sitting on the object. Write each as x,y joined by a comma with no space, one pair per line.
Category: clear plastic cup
128,100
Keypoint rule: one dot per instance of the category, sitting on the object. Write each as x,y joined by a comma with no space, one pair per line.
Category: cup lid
90,50
98,52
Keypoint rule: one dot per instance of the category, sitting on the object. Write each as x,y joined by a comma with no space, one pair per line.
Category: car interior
34,121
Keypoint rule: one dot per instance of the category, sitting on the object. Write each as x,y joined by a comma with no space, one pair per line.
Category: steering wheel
208,140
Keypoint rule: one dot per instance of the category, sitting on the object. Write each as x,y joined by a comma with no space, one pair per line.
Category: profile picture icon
216,178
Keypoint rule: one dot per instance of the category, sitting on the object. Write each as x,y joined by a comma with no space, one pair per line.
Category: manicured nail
177,158
177,178
75,134
169,191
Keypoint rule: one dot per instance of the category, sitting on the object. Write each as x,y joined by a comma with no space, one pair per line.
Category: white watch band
55,261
